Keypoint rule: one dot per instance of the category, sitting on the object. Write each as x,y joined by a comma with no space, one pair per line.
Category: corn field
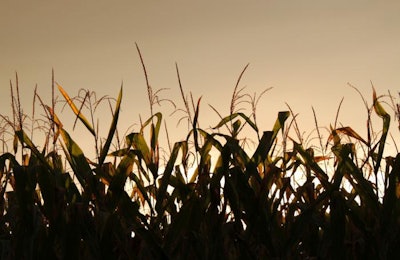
211,198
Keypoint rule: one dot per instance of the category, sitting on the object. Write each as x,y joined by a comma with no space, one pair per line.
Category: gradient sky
306,50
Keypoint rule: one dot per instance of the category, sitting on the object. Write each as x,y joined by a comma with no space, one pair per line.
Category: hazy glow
306,50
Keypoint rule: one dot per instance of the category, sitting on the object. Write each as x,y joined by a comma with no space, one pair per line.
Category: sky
307,51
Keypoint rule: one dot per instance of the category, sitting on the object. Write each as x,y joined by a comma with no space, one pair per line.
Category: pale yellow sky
306,50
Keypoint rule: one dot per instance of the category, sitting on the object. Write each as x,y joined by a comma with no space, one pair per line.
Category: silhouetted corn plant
211,199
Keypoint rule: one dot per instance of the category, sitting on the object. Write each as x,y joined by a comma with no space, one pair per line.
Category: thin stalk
337,113
236,91
185,101
53,105
19,109
149,89
33,111
168,140
296,126
319,137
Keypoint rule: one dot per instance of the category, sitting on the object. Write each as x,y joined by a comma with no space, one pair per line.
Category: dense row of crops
212,199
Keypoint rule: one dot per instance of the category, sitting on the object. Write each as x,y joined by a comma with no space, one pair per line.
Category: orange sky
306,50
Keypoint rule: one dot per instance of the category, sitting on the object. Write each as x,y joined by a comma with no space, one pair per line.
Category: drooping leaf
380,111
139,143
231,117
349,132
155,129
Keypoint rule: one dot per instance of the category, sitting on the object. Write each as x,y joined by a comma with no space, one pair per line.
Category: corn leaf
79,163
155,129
25,140
78,113
231,117
124,169
280,122
347,131
380,111
142,189
111,132
310,162
164,182
263,148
